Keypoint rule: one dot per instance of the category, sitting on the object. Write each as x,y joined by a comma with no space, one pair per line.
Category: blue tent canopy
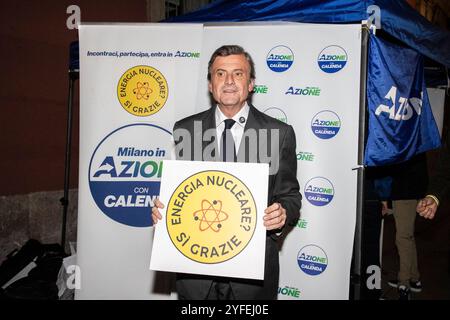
397,18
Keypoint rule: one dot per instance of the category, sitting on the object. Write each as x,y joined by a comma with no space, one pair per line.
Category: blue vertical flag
401,123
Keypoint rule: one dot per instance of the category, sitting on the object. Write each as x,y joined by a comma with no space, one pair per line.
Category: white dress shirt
237,130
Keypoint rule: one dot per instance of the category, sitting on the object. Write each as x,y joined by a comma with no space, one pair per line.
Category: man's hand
427,207
156,215
384,208
274,216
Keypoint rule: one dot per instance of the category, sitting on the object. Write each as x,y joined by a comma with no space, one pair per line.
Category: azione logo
288,291
186,54
312,260
325,124
307,91
319,191
305,156
332,59
300,223
260,89
125,171
277,114
280,59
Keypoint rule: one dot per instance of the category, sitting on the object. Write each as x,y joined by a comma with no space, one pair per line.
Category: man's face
230,81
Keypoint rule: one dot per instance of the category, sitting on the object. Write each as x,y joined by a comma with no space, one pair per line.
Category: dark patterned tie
228,147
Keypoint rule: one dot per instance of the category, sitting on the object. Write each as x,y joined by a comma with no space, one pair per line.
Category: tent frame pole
357,254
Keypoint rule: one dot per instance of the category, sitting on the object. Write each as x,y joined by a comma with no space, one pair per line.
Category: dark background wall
34,62
34,58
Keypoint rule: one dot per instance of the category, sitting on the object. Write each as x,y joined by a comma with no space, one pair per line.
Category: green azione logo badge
289,291
305,156
260,89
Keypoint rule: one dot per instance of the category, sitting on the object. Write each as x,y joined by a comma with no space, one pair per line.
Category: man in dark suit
257,138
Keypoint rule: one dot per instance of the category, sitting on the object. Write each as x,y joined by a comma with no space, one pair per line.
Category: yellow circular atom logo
142,91
211,217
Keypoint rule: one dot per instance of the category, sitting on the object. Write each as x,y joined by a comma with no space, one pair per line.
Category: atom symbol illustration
210,215
142,91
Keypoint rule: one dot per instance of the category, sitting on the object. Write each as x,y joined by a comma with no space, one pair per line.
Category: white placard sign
212,220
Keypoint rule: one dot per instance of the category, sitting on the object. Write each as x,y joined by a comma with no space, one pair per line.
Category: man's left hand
274,216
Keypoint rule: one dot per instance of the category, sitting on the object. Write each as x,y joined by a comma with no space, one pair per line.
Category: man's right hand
427,207
156,215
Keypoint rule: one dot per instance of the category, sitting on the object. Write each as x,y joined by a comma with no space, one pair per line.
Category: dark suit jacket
440,182
283,188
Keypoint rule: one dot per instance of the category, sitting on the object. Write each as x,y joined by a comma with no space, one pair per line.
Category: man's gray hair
228,50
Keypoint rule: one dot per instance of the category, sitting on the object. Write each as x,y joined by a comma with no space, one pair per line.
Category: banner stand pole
73,76
356,274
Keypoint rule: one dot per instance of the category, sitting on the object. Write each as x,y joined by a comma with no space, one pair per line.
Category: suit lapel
253,123
209,123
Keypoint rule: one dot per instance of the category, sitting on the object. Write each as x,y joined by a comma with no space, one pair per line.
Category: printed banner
308,76
213,219
137,80
133,80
